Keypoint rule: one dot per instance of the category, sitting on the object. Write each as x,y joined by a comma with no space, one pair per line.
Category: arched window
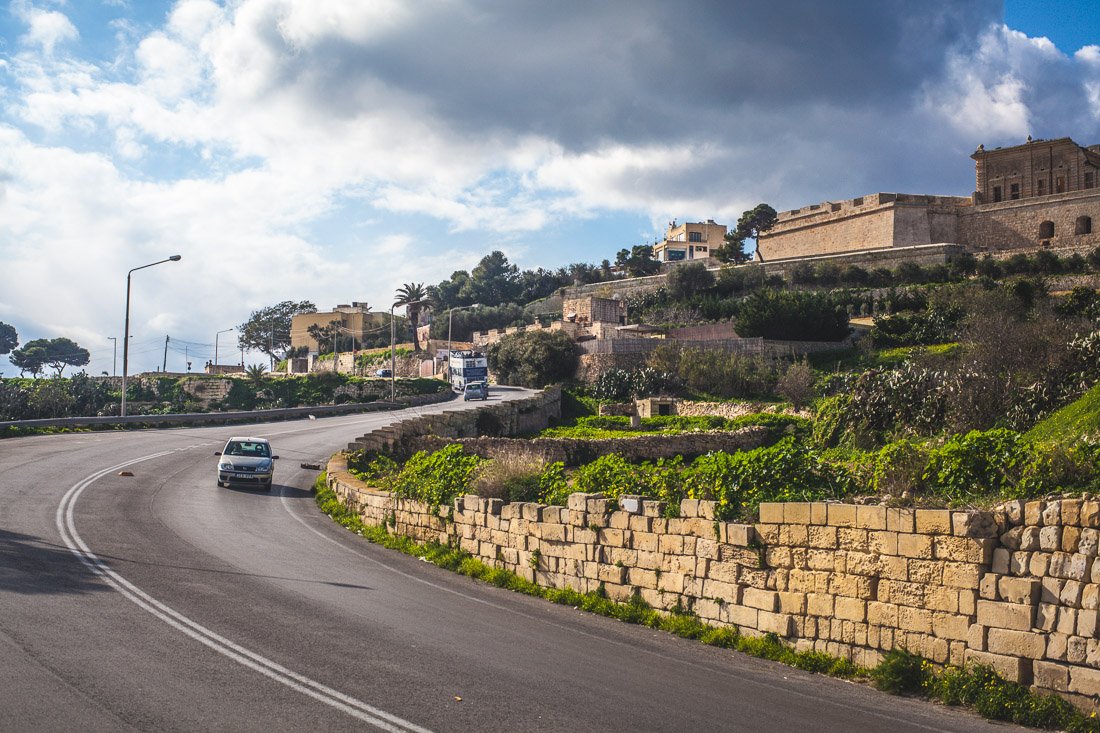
1046,230
1083,226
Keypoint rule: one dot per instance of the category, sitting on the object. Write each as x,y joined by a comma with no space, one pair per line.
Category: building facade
690,241
1042,194
1036,168
353,320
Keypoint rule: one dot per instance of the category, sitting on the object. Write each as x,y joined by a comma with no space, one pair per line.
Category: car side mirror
274,457
217,452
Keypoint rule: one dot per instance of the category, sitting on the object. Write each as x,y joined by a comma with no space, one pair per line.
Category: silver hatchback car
246,461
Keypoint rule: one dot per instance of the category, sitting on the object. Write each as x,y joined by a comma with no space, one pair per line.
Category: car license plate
244,475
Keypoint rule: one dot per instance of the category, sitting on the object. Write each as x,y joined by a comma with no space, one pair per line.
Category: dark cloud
635,71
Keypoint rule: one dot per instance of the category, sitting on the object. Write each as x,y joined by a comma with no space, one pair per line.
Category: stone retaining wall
1016,589
512,417
578,451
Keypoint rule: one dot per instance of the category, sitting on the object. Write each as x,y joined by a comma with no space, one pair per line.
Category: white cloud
47,28
1012,85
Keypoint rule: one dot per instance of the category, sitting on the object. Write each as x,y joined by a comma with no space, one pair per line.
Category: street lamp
126,329
216,336
449,312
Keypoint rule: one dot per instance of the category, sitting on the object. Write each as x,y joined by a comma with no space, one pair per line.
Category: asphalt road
162,602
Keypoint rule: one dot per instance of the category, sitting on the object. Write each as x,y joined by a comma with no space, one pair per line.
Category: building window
1042,187
1014,191
997,195
1046,230
1089,179
700,249
1060,184
1083,225
695,236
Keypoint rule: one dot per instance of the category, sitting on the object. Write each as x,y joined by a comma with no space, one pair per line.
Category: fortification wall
1015,589
1015,225
921,254
876,221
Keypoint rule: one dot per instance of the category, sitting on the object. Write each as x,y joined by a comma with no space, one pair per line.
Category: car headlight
266,465
225,466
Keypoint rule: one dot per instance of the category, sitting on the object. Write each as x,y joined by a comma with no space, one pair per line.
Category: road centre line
322,693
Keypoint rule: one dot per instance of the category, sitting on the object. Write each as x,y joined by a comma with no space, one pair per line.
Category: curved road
161,602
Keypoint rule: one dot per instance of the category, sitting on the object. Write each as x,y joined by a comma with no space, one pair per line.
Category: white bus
467,366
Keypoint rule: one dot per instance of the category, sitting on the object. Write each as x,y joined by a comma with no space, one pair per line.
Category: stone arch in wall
1046,230
1083,225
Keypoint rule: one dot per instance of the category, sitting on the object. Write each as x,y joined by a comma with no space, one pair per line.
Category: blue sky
332,151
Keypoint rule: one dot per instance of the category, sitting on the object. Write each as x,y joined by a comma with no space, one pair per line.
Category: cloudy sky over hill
333,150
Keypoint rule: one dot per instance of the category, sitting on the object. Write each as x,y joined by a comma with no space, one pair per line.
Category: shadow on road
277,490
31,565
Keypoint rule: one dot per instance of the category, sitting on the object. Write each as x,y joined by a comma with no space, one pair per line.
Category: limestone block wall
1016,589
1037,617
577,451
512,417
1012,225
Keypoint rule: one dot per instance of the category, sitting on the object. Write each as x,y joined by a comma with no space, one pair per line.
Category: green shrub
611,475
936,325
898,467
902,673
786,471
792,315
533,358
977,464
614,476
553,487
376,470
625,384
436,478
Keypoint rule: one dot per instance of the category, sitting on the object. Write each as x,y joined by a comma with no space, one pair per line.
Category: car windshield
247,448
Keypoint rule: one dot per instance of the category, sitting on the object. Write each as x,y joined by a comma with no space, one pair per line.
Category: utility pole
271,346
164,364
114,357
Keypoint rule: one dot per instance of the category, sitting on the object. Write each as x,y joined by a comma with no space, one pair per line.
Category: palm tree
255,373
413,297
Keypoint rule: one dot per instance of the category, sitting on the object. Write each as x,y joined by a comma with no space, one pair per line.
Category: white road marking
322,693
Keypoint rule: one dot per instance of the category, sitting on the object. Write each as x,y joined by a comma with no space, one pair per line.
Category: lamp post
126,328
114,356
216,337
450,311
393,349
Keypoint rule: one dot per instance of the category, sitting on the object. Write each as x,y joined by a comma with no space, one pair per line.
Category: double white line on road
322,693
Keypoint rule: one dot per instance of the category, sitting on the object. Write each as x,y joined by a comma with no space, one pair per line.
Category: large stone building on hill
1042,194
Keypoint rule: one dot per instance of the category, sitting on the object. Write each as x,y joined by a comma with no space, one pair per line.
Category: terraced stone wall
512,417
1016,589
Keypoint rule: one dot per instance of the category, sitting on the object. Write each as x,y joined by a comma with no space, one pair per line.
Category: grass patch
599,427
1076,420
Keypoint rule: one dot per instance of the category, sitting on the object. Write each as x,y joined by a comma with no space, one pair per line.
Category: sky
332,151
